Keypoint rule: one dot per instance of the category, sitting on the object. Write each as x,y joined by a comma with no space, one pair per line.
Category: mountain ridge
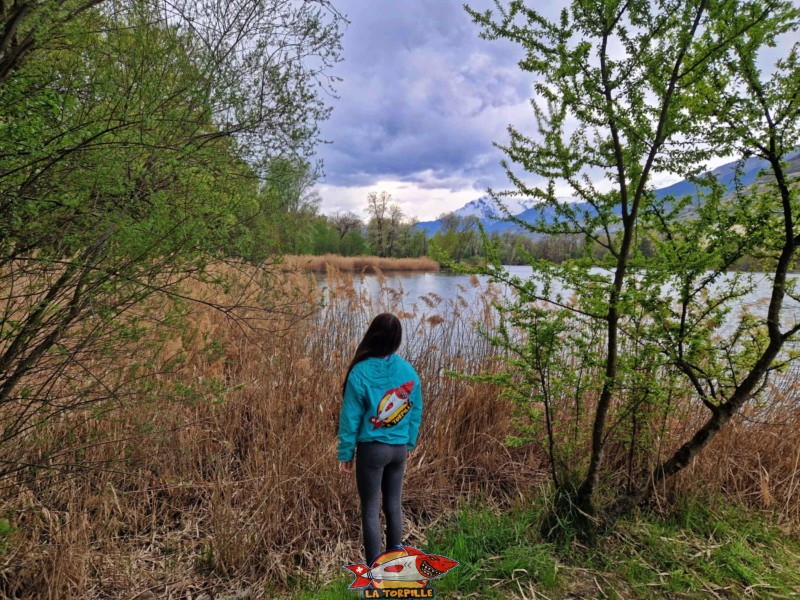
530,210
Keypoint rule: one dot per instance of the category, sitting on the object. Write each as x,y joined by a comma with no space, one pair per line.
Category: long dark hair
383,338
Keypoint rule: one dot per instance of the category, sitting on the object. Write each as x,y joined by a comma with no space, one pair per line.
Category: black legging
380,468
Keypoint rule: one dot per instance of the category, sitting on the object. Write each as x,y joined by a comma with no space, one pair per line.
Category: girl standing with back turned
379,423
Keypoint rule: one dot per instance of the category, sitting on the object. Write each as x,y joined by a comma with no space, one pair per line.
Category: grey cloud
420,93
423,97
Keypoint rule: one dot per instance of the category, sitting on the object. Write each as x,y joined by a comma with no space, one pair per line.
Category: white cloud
425,203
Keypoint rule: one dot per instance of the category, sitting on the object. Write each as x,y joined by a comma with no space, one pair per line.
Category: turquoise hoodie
382,403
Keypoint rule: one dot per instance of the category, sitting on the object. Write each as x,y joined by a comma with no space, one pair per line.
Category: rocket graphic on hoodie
393,406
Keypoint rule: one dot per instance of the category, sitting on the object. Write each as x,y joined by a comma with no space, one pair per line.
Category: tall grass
756,460
223,473
358,264
220,474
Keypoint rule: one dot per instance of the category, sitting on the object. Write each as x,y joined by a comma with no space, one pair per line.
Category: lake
444,292
424,300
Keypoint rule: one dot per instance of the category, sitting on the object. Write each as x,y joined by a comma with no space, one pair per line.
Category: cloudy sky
422,97
421,100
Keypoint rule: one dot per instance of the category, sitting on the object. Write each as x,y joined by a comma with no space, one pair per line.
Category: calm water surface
450,291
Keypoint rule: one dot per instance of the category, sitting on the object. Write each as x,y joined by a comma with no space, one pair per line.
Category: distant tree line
288,221
285,219
291,224
459,239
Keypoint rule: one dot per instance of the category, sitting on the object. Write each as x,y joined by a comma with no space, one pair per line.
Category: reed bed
221,474
358,264
756,459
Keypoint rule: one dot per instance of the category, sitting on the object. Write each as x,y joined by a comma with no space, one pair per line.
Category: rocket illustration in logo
393,406
412,566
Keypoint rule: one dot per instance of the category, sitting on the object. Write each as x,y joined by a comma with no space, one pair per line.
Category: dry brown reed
756,459
221,474
358,264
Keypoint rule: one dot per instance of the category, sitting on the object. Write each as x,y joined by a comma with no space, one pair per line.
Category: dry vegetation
220,474
358,264
223,473
757,458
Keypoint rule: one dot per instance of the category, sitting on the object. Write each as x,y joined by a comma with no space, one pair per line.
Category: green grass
698,550
494,551
335,590
6,530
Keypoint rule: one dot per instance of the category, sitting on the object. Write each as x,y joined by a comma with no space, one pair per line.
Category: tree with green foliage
378,208
510,248
412,242
294,203
458,237
353,244
602,358
742,110
389,232
133,138
325,238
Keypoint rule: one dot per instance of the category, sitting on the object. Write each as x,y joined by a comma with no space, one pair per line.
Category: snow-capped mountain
487,208
531,210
